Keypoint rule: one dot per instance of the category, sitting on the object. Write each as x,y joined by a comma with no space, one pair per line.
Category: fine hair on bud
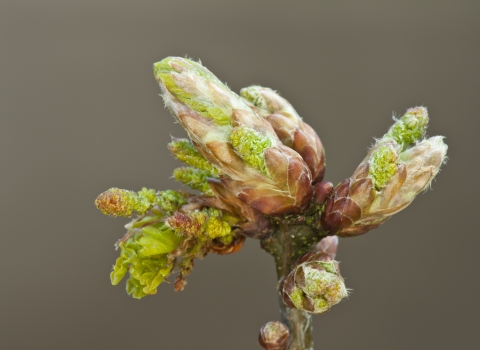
274,335
398,167
241,145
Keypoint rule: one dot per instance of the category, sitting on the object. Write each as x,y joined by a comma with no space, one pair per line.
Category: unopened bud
289,127
314,285
322,192
252,162
328,245
394,172
274,335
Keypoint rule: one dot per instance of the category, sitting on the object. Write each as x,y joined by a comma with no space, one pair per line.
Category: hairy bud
394,172
289,127
274,335
314,285
252,162
409,128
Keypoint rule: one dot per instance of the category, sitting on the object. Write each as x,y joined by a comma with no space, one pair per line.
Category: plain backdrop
80,112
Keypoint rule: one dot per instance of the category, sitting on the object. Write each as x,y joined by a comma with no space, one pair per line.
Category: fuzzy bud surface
274,335
394,172
289,127
314,285
251,161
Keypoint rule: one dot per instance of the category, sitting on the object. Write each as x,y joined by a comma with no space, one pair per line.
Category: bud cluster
240,144
259,169
395,171
314,284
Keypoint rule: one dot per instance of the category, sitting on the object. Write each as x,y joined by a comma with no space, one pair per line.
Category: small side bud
322,192
118,202
274,335
314,285
328,245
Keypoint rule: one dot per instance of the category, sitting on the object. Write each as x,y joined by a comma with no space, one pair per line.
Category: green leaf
156,241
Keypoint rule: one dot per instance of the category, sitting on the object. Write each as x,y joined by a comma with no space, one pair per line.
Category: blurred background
80,112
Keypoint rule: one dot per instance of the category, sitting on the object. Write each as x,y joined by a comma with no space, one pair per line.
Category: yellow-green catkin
188,224
118,202
169,201
194,178
383,165
251,145
216,227
207,223
185,152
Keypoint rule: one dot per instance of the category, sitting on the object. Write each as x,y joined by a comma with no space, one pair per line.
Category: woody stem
286,245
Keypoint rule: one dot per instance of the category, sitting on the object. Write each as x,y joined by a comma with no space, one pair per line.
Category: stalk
286,245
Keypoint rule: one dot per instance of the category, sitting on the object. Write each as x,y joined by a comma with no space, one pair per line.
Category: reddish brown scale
274,336
340,210
180,283
322,192
358,230
222,249
328,245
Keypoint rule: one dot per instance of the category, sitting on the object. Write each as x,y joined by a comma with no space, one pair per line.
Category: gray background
80,113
